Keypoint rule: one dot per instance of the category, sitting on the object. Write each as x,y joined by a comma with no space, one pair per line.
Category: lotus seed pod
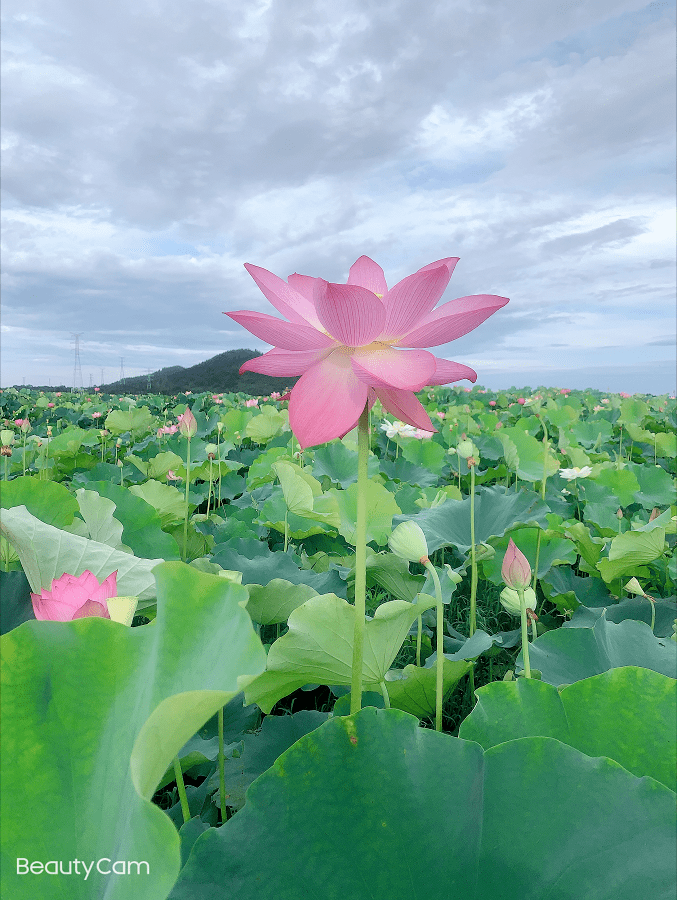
634,587
511,602
466,448
408,542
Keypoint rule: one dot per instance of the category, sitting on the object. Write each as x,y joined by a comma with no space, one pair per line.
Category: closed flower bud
187,424
515,571
511,602
408,542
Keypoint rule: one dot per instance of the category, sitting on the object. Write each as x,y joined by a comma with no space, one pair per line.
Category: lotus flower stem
439,682
525,633
360,560
419,635
211,485
473,558
543,482
185,513
222,773
178,774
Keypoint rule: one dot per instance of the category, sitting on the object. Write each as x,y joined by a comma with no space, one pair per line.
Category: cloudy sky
151,147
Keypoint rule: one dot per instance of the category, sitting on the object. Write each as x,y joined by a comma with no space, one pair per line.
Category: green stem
178,774
222,771
544,479
439,680
286,528
473,558
360,560
386,695
209,496
419,635
185,515
525,633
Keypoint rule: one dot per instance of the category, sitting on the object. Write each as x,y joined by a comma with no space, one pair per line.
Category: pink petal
412,299
447,371
380,365
288,335
353,315
452,320
448,261
406,406
326,401
283,363
285,299
306,286
368,274
92,608
107,588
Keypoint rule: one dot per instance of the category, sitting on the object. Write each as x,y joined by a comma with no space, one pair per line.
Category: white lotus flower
570,474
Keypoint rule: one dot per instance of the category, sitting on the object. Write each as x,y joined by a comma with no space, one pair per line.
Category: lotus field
243,659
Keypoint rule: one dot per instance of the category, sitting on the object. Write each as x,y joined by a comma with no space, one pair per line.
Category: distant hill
218,374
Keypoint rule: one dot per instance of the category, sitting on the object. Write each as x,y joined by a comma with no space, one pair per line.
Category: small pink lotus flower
187,424
624,395
492,403
346,342
251,403
75,597
172,476
58,394
96,390
96,415
50,405
515,571
521,401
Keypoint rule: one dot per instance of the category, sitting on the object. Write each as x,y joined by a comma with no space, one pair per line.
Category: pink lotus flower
96,415
50,405
75,597
346,340
253,402
492,403
172,476
521,401
515,571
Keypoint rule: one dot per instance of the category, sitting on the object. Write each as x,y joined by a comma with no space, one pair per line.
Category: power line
122,369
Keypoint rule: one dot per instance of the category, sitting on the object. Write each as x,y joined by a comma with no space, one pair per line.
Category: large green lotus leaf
497,511
266,564
620,482
93,712
590,433
47,552
412,689
554,551
525,454
273,603
664,614
168,502
142,526
261,749
68,442
628,714
15,600
426,454
566,655
98,522
263,427
567,590
656,486
136,419
373,806
666,444
381,507
49,501
630,550
318,648
392,574
339,463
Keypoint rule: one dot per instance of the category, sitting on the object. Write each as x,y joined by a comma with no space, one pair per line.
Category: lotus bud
408,542
187,424
6,438
515,571
25,426
511,602
219,425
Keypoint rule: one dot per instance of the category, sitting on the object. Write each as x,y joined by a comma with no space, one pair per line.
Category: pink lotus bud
492,403
521,401
515,571
187,424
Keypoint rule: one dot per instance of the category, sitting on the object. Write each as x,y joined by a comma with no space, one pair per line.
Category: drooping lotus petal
411,299
284,363
293,305
351,314
91,608
405,406
288,335
306,285
452,320
447,371
368,274
380,365
326,401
